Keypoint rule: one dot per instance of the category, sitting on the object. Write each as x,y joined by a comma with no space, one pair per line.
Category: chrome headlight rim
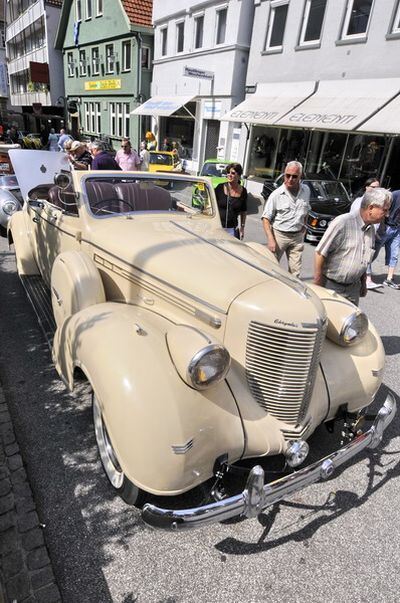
9,207
193,365
348,324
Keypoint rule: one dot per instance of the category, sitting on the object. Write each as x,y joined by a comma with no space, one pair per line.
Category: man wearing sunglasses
284,217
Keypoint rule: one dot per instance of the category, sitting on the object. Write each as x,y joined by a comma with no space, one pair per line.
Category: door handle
36,220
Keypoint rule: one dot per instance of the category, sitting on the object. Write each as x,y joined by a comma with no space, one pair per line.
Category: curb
26,574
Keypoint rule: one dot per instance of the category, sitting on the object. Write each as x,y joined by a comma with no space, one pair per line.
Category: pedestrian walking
285,215
144,157
346,248
52,141
389,238
232,201
102,160
63,137
126,157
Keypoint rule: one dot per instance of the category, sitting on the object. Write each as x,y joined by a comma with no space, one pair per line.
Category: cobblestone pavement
26,574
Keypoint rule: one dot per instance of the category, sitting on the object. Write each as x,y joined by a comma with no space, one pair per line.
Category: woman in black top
232,201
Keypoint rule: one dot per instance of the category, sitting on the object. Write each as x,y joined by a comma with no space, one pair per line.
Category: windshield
329,189
160,159
110,196
214,169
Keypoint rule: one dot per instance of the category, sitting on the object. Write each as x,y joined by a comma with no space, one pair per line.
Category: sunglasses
291,176
232,173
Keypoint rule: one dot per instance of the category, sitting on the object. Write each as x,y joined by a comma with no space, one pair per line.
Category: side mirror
62,180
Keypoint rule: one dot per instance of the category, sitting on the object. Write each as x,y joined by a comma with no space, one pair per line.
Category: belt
337,282
288,232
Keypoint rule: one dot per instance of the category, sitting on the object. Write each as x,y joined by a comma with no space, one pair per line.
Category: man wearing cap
79,156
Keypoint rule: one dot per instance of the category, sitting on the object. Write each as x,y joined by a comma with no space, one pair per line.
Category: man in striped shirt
343,253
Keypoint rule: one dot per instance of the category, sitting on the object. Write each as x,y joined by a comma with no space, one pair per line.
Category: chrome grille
281,365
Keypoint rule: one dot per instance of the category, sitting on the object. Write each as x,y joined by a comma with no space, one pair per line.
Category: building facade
325,85
107,49
33,62
199,73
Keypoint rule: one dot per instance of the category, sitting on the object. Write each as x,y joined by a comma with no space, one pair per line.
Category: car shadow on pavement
336,504
84,523
383,466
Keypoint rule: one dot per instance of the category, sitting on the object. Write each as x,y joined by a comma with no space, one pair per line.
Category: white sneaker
371,285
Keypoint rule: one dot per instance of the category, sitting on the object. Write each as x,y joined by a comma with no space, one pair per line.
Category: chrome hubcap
107,454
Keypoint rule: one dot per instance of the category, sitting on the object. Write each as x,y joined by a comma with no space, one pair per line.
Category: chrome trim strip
258,496
156,278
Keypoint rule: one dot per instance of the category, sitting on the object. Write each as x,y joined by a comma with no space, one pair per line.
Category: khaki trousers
291,244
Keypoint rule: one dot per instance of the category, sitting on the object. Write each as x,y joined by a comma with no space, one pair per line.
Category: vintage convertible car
200,351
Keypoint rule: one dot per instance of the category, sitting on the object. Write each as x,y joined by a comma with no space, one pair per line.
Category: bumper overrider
257,496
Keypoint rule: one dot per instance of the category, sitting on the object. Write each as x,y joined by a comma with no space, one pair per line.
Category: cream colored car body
135,294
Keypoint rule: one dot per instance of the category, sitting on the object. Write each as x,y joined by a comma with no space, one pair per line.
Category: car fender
75,284
167,436
343,366
18,234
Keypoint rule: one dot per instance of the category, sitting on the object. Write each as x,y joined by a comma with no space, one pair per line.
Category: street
334,541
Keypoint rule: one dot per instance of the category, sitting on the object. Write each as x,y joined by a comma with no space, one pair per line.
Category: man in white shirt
285,215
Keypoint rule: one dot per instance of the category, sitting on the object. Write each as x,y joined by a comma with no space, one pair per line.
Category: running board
40,298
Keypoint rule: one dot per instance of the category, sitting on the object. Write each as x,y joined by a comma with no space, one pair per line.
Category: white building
33,64
199,73
325,79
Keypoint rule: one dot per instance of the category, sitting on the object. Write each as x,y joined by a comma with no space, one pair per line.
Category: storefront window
263,149
179,128
363,158
325,153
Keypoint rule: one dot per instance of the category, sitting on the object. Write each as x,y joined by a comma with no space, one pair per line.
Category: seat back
64,199
153,198
97,191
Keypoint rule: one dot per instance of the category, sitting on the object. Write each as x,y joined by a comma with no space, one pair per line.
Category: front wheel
130,493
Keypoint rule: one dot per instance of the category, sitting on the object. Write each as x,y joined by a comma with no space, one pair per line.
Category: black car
328,199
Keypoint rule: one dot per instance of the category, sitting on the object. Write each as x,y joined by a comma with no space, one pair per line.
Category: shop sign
234,154
212,109
3,80
114,84
200,73
322,118
256,116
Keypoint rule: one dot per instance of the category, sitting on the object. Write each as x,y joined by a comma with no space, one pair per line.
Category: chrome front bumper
258,496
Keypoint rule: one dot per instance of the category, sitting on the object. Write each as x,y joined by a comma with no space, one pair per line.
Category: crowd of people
347,249
352,241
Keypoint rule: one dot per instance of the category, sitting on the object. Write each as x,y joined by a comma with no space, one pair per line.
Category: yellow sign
103,85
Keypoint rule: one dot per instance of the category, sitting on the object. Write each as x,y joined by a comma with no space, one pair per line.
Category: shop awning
162,105
270,102
386,121
342,104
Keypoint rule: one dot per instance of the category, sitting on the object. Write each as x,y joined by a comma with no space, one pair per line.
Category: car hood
193,258
331,207
36,167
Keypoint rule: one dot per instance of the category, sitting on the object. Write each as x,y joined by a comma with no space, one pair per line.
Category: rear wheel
130,493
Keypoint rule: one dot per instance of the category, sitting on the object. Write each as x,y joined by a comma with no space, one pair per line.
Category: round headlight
354,328
323,223
208,366
10,207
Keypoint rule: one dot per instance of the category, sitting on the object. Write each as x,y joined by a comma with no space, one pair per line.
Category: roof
139,11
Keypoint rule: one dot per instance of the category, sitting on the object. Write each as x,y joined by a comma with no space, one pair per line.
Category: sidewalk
26,574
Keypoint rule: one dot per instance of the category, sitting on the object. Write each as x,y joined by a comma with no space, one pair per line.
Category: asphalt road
335,541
